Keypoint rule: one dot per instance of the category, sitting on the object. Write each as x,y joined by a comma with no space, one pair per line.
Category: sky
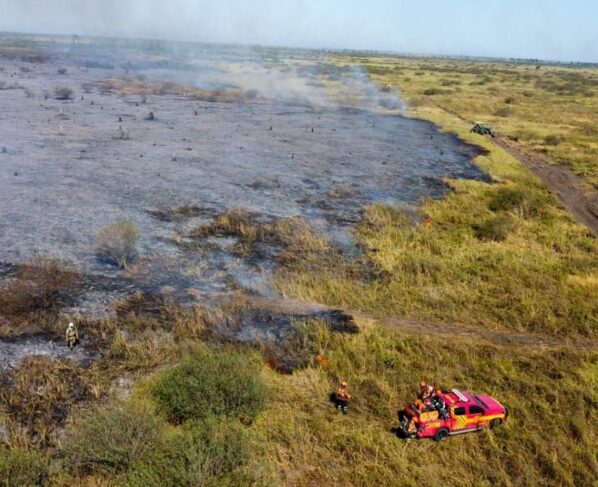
564,30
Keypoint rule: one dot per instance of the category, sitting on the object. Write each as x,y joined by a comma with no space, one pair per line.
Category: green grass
298,438
546,441
22,467
497,256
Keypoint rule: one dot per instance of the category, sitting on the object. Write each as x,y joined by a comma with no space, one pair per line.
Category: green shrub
23,468
508,199
433,91
117,243
111,440
496,228
552,140
207,453
211,383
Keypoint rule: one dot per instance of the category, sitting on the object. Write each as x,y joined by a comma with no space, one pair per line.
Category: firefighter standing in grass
72,336
342,397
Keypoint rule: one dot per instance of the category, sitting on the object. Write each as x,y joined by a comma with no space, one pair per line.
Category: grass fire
324,263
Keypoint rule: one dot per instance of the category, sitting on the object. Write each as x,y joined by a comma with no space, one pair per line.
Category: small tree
63,93
117,243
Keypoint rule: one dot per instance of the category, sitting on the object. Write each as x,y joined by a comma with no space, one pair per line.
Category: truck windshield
480,402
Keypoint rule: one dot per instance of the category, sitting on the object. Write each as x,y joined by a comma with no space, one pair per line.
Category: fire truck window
475,410
459,411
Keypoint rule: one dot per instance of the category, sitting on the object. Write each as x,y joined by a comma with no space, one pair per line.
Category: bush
20,467
433,91
87,87
207,453
212,383
63,93
552,140
117,243
496,228
111,440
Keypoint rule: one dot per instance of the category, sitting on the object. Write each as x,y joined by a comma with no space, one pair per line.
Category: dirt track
505,338
575,193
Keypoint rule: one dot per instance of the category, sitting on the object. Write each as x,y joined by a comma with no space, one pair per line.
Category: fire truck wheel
441,434
494,423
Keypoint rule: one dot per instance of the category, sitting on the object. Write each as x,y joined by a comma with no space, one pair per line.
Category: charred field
171,144
251,226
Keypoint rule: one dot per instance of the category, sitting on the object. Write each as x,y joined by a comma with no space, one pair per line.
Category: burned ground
68,171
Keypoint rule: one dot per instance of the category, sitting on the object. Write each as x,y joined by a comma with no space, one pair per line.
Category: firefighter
342,397
426,391
72,336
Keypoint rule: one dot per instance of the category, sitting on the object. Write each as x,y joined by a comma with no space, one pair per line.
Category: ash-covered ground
293,149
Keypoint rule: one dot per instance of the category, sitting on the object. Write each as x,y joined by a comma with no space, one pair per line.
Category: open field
394,250
551,109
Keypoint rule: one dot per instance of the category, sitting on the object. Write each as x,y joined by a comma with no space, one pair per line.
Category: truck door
458,418
475,416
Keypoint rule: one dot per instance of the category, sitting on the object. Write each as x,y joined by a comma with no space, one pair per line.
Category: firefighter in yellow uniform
72,336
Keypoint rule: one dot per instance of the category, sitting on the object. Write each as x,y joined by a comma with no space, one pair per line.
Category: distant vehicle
451,413
482,129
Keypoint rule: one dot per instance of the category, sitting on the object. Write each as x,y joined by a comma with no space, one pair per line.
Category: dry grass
26,54
37,396
37,292
293,234
134,86
345,191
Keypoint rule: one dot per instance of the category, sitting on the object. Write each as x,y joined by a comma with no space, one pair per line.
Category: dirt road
575,193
